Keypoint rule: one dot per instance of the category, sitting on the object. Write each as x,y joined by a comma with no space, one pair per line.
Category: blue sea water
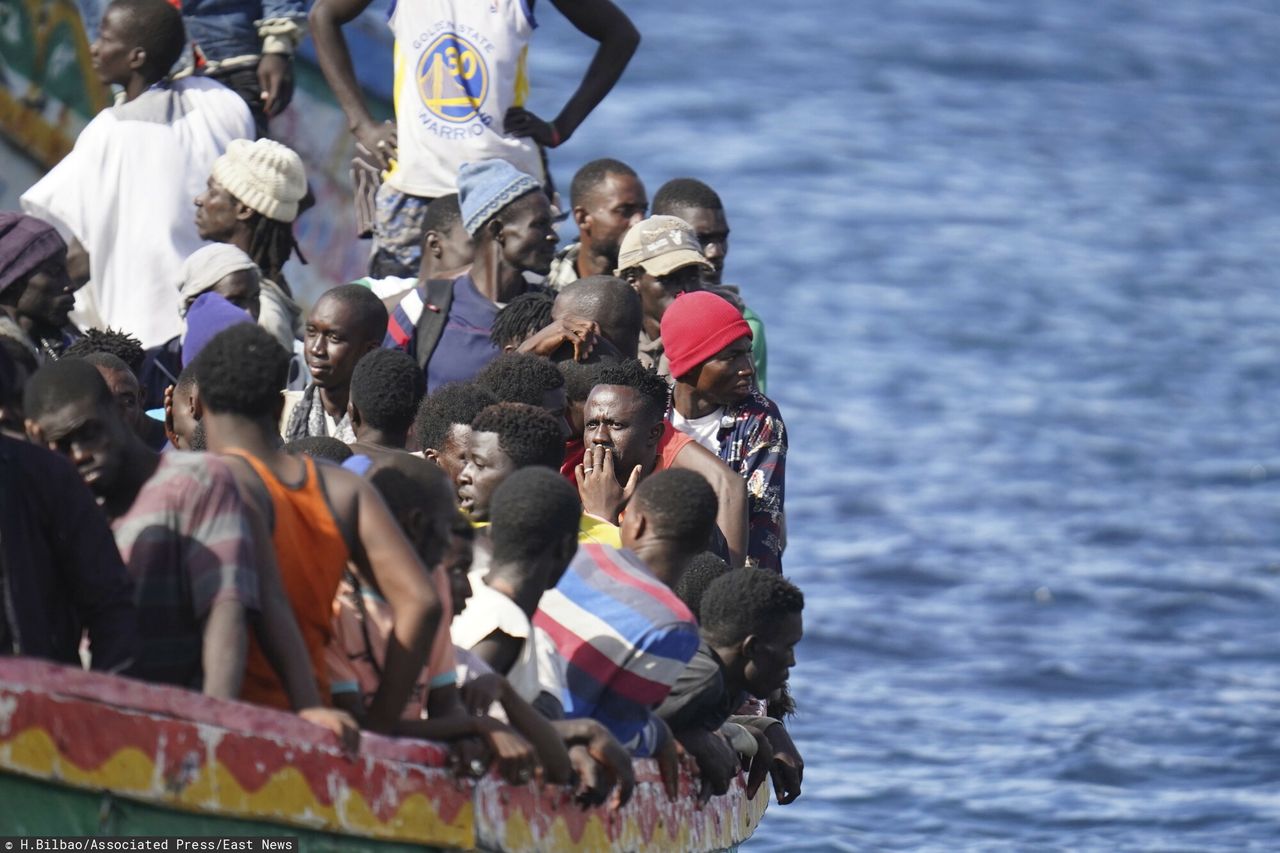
1018,263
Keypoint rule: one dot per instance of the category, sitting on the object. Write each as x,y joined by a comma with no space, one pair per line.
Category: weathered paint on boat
111,755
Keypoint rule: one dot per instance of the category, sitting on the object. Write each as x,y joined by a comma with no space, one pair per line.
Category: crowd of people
525,500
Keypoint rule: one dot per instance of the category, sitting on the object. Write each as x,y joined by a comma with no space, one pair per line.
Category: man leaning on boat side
621,635
60,572
178,522
749,624
321,515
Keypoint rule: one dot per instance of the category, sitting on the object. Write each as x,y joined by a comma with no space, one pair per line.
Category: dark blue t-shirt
464,347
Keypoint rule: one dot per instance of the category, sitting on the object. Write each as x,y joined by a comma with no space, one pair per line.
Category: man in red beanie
717,404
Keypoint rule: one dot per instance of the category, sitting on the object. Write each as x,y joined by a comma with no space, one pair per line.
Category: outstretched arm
618,38
326,19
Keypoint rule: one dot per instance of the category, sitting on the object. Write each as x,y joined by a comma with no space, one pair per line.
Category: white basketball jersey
459,66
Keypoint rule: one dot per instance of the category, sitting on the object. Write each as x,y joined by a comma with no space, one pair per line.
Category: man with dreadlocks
254,194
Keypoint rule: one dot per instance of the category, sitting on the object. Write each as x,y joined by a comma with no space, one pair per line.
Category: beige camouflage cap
660,245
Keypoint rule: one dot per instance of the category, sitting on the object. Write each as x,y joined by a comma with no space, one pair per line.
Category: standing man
700,206
716,403
121,198
661,258
607,198
251,199
460,91
446,324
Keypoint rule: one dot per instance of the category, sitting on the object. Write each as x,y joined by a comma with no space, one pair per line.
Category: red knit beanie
696,326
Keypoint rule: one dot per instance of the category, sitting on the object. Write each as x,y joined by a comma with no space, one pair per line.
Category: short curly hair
241,371
679,193
630,373
386,386
527,434
520,378
703,570
580,378
745,602
117,342
447,406
521,317
320,447
681,505
531,512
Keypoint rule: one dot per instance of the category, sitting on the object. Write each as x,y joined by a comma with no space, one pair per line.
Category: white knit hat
265,175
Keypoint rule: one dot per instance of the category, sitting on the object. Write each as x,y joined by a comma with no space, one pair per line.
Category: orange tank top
312,554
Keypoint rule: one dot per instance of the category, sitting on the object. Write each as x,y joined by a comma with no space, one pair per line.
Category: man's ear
195,406
416,525
432,246
137,58
580,216
633,523
431,455
243,211
495,228
354,414
747,648
655,433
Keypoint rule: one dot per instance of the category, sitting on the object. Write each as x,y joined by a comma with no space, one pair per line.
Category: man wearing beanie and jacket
445,324
661,258
717,404
123,193
35,290
253,195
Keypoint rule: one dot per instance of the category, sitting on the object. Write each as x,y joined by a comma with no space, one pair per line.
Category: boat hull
83,753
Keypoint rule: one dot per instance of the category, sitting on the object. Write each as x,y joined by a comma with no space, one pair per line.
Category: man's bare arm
618,39
731,491
326,20
385,559
225,648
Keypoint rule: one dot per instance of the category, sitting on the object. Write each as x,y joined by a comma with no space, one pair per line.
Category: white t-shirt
702,430
459,66
487,611
126,192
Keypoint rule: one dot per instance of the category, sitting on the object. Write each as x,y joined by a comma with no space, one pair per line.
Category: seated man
320,516
503,439
386,389
443,423
606,198
36,293
123,194
60,572
445,324
344,324
661,259
750,625
534,532
700,206
421,498
621,634
179,524
627,438
716,403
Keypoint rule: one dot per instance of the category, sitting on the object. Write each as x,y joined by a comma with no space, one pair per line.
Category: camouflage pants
397,233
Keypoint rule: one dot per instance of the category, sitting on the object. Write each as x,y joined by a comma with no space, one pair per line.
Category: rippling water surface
1018,263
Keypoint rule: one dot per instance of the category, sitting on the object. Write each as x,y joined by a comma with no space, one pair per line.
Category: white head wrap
206,267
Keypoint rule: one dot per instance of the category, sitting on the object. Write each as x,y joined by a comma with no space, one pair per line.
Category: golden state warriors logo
452,78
